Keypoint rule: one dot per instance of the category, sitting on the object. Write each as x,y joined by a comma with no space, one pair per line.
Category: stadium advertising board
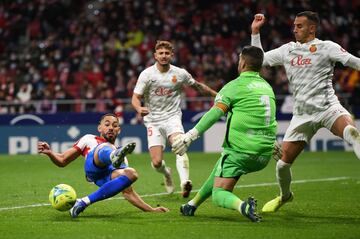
20,135
23,139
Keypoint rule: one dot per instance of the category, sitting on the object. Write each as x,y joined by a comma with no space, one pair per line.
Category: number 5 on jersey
149,131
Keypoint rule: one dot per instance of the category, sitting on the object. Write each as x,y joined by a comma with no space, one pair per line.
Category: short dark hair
164,44
311,16
253,57
107,114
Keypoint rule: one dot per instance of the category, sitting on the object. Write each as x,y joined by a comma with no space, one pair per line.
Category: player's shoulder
87,137
319,42
181,73
232,85
177,69
85,140
290,44
148,70
286,47
328,43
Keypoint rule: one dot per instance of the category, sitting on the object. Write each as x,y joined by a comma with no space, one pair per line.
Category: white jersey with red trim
162,91
309,68
88,142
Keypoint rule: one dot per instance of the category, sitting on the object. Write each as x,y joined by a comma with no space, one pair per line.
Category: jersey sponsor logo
300,61
313,48
174,80
162,91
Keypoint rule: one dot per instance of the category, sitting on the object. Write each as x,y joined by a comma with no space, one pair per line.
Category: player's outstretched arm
138,202
60,159
353,62
204,89
182,141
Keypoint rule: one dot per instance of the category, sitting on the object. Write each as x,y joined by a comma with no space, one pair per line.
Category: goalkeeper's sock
226,199
162,169
182,166
104,154
283,175
110,189
205,190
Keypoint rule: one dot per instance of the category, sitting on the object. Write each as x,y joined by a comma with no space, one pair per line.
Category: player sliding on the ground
105,165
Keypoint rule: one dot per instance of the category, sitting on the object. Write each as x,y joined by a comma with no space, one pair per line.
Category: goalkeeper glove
183,141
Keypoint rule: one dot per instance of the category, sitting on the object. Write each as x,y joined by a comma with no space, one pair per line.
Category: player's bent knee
128,172
156,163
131,174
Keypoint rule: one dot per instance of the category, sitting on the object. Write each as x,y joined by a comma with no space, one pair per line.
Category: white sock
192,203
283,175
348,135
86,200
162,169
182,166
352,136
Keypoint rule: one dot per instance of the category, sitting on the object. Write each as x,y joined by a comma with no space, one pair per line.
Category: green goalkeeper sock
205,190
225,199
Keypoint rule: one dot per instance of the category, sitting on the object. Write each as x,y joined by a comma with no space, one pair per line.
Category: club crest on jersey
300,61
313,48
174,80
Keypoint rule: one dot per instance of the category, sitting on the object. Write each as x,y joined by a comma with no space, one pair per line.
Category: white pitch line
163,193
25,206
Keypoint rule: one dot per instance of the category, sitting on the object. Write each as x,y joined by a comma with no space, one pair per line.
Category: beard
110,139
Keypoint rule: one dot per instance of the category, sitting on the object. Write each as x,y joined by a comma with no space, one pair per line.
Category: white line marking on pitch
160,194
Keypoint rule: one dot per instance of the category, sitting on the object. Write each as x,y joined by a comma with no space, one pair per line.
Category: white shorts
304,127
157,133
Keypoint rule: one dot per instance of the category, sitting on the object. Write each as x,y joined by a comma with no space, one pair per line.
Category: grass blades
326,188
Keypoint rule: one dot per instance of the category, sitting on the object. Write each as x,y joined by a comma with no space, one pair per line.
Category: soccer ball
62,197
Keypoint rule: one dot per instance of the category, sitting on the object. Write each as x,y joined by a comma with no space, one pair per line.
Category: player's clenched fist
258,21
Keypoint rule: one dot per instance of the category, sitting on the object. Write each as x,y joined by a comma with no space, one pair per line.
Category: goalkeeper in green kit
248,145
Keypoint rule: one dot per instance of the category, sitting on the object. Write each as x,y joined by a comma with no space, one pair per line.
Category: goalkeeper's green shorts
234,164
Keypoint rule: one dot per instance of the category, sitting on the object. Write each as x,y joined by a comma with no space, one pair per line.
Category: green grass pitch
326,205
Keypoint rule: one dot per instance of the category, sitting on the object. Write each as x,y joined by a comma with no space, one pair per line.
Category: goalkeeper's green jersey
251,124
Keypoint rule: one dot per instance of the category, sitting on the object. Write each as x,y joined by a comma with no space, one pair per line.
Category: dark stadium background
85,56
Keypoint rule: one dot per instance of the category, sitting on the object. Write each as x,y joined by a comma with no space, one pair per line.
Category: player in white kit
160,87
309,65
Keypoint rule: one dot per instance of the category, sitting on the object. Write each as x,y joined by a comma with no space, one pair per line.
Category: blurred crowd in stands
95,50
